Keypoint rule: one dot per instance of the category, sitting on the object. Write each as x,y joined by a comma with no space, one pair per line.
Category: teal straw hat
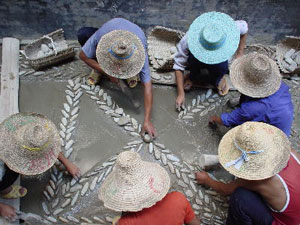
213,37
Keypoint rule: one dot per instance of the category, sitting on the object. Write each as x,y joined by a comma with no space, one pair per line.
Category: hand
179,102
148,128
238,55
8,212
201,177
73,170
213,120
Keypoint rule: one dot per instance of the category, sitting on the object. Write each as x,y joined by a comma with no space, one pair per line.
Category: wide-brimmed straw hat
134,184
120,54
254,151
29,144
213,37
255,75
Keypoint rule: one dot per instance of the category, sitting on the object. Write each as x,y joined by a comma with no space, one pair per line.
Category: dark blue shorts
84,33
213,73
248,208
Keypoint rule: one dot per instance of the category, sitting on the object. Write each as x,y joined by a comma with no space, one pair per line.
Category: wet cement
97,137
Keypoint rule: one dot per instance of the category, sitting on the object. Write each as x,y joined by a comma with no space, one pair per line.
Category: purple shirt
276,109
90,46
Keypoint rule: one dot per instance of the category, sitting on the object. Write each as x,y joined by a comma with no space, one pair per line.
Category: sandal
132,82
115,220
15,192
94,77
223,87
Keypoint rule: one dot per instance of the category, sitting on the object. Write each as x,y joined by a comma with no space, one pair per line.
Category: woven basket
283,47
269,51
61,51
160,40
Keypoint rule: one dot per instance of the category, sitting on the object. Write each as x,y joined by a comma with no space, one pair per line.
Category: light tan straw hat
120,54
255,75
134,184
29,144
254,151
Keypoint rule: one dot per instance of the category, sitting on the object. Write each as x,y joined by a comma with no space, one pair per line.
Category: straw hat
29,144
255,75
213,37
254,151
134,184
120,54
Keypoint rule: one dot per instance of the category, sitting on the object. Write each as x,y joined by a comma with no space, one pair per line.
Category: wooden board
9,92
9,95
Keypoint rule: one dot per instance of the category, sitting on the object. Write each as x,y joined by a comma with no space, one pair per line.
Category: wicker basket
160,41
283,47
59,50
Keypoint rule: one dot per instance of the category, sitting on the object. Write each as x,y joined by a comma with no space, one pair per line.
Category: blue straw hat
213,37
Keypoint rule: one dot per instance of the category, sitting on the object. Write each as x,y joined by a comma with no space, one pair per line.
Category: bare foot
223,86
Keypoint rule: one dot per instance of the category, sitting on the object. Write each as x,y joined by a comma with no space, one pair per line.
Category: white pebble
66,107
57,211
93,184
84,189
74,111
74,199
69,144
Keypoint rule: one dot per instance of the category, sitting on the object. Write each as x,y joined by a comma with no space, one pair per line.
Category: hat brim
120,68
226,50
260,166
151,185
241,83
20,159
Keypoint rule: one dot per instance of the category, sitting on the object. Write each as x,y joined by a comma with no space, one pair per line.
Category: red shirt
290,178
173,209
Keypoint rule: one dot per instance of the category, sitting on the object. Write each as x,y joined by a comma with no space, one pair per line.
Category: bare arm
180,90
148,101
240,51
72,169
195,221
220,187
91,62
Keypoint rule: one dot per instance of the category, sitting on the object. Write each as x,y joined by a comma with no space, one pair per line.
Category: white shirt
182,54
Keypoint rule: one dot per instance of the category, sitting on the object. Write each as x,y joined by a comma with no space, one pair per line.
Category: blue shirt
276,109
90,46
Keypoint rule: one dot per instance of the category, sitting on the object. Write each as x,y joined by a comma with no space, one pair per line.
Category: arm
180,61
71,168
240,51
195,221
248,111
90,62
243,27
148,101
180,90
216,120
220,187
